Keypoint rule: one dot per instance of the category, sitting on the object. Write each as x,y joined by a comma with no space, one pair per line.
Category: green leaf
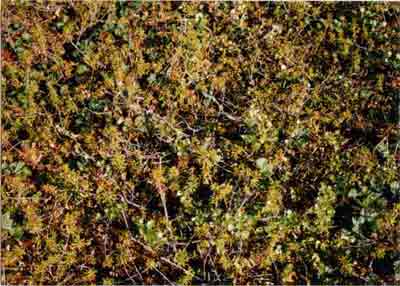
81,69
18,232
6,222
353,193
264,166
26,37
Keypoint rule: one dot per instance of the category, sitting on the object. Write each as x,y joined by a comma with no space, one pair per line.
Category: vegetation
208,142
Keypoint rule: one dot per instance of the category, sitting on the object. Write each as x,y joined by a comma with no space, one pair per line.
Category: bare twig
149,249
164,276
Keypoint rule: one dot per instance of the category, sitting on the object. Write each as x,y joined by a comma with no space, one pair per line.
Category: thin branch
164,276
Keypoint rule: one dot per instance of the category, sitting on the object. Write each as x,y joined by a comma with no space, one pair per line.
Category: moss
200,142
